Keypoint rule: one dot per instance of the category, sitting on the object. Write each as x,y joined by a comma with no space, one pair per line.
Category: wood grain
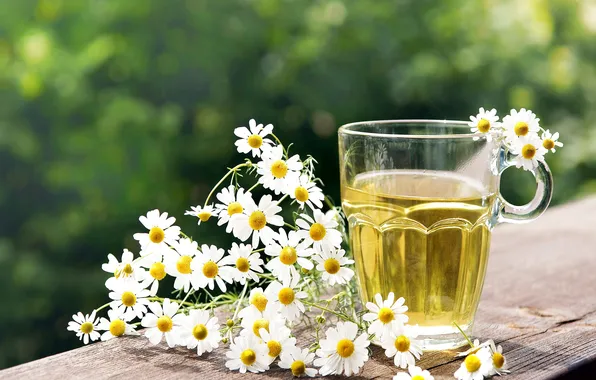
539,302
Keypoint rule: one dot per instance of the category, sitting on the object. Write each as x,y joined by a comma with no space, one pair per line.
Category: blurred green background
111,108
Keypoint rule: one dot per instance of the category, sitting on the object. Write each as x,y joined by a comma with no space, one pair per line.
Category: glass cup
421,198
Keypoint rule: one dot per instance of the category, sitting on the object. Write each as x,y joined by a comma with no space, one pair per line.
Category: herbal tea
424,236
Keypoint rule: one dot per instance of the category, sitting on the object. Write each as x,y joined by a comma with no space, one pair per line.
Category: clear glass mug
421,198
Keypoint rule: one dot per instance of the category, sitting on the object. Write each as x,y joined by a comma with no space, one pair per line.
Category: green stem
329,203
253,187
102,307
233,170
160,299
280,144
290,226
258,250
240,300
339,315
464,334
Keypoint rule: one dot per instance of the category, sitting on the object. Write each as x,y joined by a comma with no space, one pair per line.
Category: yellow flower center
528,151
255,141
242,264
279,169
331,266
210,269
259,301
257,220
157,271
200,332
156,235
301,194
248,357
386,315
521,128
298,368
402,343
164,323
117,327
548,144
317,232
87,328
274,348
418,377
183,264
472,363
204,216
235,208
288,255
286,296
260,324
129,299
498,360
125,271
483,125
345,348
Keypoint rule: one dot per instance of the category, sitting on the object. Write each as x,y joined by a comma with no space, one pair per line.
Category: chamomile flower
231,203
471,368
199,330
286,298
248,353
178,264
484,123
162,231
276,173
258,302
341,351
203,213
520,124
254,322
124,270
253,139
415,373
255,220
551,141
332,265
297,361
156,273
320,231
278,341
129,298
385,315
208,269
162,320
400,344
287,250
116,326
496,364
84,326
529,151
306,192
246,263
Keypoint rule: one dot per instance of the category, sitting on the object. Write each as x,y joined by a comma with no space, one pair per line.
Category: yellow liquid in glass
424,236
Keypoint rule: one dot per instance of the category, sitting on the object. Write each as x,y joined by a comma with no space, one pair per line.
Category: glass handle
508,213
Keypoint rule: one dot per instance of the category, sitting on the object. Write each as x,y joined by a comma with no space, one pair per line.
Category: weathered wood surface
539,302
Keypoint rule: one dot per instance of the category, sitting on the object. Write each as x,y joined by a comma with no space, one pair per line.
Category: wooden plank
539,301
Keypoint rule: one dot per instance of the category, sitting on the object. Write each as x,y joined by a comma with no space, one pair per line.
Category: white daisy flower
254,322
529,151
253,139
163,321
124,270
385,315
255,220
247,352
231,203
84,326
297,361
156,273
202,213
470,369
178,264
485,122
306,192
332,264
162,231
278,341
551,141
496,364
415,373
199,330
116,326
321,231
209,269
276,172
286,298
129,298
258,302
247,263
341,352
520,124
400,344
287,250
